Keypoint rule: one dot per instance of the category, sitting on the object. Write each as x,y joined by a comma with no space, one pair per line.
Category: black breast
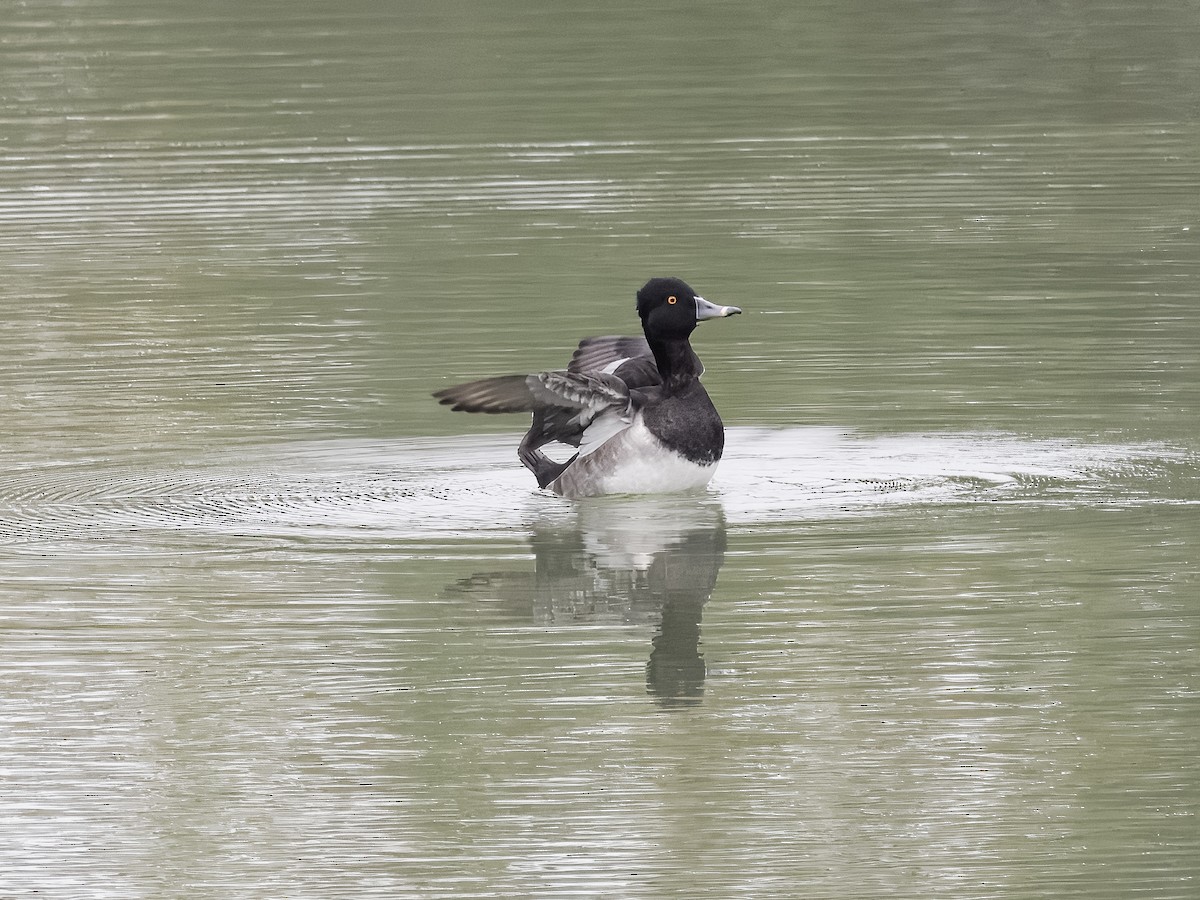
688,423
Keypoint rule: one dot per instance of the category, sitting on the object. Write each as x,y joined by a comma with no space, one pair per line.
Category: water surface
276,624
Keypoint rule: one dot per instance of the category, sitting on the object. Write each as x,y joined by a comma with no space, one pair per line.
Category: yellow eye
672,299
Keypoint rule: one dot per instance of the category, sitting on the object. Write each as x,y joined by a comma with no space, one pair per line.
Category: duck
633,407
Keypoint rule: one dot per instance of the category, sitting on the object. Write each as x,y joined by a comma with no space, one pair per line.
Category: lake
276,624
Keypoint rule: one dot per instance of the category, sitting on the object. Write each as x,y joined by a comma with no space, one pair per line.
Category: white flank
633,461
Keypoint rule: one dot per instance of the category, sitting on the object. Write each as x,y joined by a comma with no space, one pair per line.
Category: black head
669,308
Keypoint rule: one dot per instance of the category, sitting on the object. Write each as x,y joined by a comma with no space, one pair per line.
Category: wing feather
505,394
594,354
580,391
594,399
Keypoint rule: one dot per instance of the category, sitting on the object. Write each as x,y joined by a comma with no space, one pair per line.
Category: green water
274,623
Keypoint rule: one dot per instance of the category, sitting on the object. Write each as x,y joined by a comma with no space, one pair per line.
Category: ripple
773,475
422,490
136,189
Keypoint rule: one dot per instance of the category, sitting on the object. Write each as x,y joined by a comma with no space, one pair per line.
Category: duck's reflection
633,561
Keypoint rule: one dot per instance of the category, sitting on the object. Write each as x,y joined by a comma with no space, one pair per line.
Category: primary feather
504,394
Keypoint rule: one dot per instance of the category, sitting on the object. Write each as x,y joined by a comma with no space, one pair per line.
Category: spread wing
589,393
592,400
594,354
629,358
505,394
605,405
565,404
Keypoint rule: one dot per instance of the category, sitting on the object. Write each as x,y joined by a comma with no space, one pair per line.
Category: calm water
274,624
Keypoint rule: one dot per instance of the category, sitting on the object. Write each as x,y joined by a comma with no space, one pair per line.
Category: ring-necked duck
633,406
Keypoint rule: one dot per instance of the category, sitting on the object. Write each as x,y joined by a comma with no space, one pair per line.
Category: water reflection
623,561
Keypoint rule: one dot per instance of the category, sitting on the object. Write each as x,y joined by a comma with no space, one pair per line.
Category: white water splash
453,488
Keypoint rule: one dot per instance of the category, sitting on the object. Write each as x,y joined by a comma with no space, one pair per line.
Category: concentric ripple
421,489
